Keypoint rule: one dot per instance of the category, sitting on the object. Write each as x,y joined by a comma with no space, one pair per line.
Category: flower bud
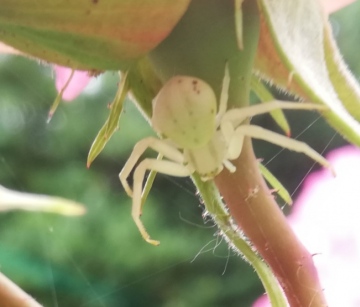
88,34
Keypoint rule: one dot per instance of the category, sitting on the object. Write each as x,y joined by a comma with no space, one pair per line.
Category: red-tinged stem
12,296
254,210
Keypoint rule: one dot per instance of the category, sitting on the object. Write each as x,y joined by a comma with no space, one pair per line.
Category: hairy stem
253,208
216,209
200,45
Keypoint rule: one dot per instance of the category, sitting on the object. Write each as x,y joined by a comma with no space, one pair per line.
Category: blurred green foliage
100,259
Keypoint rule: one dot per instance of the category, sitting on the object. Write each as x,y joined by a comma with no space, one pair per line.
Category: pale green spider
197,139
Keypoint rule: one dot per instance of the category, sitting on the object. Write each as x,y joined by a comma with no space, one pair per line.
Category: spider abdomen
184,111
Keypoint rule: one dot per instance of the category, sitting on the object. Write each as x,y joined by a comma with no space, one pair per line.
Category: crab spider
197,139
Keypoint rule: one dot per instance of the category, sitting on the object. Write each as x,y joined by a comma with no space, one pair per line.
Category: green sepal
149,183
275,184
265,96
88,34
112,122
58,98
297,53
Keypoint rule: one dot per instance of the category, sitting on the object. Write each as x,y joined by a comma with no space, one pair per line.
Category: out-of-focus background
100,259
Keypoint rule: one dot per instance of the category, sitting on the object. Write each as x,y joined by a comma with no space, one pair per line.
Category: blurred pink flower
77,84
332,6
262,301
326,219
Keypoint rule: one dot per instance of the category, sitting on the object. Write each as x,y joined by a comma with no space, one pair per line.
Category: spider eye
185,110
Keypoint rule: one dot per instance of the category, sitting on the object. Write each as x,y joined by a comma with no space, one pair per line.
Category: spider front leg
224,96
160,166
233,132
283,141
157,145
237,116
174,167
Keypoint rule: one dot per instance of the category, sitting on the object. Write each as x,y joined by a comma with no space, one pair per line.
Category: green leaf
265,96
344,83
88,34
275,184
149,183
297,52
112,122
13,200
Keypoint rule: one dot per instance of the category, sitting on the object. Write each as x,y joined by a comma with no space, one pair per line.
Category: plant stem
216,209
13,296
253,208
200,45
